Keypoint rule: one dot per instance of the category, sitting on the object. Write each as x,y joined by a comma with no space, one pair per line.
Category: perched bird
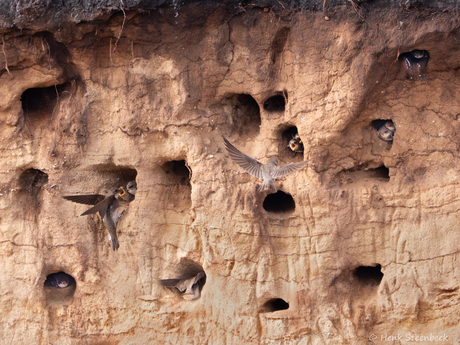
386,131
415,63
107,208
129,191
268,172
295,144
59,280
190,288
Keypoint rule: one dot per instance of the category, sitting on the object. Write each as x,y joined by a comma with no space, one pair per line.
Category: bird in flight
106,206
268,172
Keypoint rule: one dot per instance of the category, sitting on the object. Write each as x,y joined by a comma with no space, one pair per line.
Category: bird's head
297,137
293,144
113,191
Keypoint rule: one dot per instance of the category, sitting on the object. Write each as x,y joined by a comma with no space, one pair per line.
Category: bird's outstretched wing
182,284
249,164
102,206
91,199
170,282
285,170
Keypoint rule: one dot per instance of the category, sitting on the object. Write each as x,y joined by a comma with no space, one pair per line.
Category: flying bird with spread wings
268,172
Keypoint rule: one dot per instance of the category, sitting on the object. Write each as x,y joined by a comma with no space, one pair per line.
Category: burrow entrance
279,202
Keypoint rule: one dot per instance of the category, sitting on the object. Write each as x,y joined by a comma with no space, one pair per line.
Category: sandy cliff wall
363,245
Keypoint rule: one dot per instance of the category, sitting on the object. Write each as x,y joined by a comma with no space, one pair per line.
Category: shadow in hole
275,103
369,275
279,202
273,305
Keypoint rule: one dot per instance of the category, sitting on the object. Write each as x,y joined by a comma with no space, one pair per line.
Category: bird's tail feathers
267,185
114,240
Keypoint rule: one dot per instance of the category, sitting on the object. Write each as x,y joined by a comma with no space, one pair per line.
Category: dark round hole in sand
369,275
289,133
178,172
274,304
279,202
275,103
37,102
32,180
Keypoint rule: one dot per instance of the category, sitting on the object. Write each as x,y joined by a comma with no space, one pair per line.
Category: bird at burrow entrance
268,172
59,280
386,131
107,206
189,289
129,191
295,144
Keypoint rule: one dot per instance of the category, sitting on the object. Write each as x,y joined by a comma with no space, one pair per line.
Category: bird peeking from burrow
59,280
129,191
415,63
385,129
107,207
268,172
295,144
188,287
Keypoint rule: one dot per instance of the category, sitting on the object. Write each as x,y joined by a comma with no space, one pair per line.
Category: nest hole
187,281
279,202
177,182
415,63
244,113
38,103
275,103
291,146
112,175
274,304
178,172
32,180
369,275
60,288
363,173
381,172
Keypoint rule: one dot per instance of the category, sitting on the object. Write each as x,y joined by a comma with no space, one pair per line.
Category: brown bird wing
285,170
100,207
249,164
92,199
182,284
169,282
198,277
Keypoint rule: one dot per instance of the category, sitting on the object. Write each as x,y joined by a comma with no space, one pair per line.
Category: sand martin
129,192
59,280
268,172
295,144
106,206
190,288
386,131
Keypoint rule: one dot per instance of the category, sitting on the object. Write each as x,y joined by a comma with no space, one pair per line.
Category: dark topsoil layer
51,14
